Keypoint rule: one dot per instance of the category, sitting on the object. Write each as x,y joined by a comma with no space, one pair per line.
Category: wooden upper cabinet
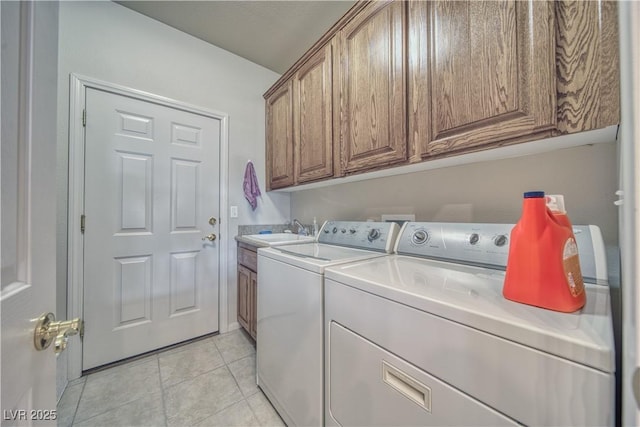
397,82
372,88
491,68
313,117
279,111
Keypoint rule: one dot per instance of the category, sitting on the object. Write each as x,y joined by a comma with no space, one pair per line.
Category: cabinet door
588,69
253,304
244,283
373,87
280,138
492,72
313,126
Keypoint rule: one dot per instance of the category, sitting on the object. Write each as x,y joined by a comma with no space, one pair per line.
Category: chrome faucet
301,229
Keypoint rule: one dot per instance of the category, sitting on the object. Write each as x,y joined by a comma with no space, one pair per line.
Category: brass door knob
211,237
48,330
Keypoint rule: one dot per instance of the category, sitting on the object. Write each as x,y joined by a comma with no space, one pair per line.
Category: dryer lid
473,296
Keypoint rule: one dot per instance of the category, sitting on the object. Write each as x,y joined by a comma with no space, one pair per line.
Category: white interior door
629,215
28,206
151,187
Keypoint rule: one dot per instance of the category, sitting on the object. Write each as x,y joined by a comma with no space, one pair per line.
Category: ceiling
273,34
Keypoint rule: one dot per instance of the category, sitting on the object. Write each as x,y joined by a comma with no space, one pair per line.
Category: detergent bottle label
571,264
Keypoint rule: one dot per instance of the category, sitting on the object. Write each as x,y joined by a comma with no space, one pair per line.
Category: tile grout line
84,384
246,398
253,411
232,403
107,410
235,380
164,405
201,373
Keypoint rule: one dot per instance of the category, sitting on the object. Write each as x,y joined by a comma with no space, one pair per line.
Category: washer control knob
344,230
335,230
474,238
352,230
373,234
420,237
500,240
326,230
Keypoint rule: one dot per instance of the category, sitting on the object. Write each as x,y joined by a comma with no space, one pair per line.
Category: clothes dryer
425,337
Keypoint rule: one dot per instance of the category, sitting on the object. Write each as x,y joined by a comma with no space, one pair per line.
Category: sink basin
277,239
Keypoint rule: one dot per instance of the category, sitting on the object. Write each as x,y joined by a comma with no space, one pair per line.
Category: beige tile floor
210,382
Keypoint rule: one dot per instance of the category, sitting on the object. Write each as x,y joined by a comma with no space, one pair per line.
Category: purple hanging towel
250,185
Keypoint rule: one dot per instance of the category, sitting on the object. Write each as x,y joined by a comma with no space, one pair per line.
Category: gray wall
488,191
106,41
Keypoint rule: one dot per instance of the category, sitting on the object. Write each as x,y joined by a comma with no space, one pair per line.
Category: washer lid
317,256
473,296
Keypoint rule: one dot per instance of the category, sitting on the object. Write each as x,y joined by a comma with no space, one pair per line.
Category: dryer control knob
500,240
474,238
335,230
373,234
420,237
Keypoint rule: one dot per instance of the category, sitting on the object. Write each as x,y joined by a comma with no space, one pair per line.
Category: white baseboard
231,327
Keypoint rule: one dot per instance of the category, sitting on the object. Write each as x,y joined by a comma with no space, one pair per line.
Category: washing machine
289,345
425,337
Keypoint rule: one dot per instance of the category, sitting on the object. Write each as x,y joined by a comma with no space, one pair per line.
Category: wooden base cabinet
247,289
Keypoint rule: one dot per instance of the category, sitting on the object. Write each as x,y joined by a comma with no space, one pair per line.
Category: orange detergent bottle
543,268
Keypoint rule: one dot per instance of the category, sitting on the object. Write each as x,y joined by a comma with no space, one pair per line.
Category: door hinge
84,118
82,218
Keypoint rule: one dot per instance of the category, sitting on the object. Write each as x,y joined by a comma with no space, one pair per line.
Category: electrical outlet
234,212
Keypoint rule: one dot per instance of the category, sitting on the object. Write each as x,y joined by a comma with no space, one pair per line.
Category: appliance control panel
484,244
487,245
377,236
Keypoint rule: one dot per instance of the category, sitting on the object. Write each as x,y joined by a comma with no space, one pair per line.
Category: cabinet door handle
407,385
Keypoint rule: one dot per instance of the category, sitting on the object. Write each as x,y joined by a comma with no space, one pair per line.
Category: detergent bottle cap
534,194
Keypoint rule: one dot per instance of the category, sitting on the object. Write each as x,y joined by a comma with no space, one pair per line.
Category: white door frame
75,242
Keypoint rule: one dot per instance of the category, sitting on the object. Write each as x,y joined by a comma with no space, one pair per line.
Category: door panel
253,304
475,64
280,138
244,277
151,184
313,115
492,72
133,290
184,287
373,87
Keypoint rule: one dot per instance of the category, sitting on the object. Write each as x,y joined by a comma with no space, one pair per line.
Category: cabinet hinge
82,218
84,118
